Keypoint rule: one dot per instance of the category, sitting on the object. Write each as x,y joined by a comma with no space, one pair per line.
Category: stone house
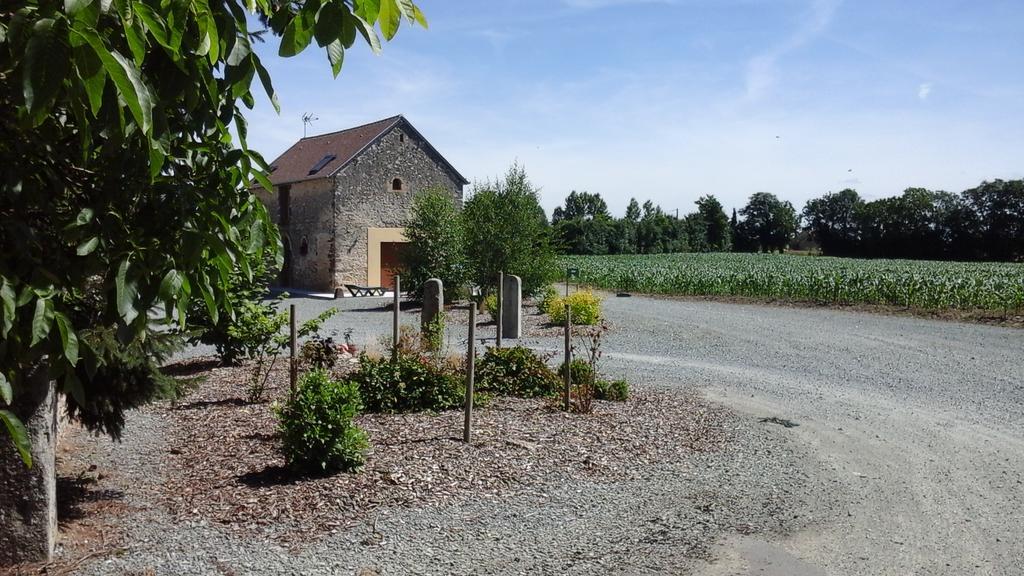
341,199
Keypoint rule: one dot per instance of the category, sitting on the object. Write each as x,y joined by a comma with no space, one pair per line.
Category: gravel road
908,459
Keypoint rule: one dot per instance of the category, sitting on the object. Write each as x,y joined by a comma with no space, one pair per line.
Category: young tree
507,231
437,243
124,188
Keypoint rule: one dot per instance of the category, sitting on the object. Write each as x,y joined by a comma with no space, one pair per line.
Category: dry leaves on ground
223,462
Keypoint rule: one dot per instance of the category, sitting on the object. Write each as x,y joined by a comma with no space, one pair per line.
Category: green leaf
368,9
268,86
153,21
87,247
19,435
297,35
125,290
68,338
390,18
7,297
73,387
240,50
6,394
170,286
369,33
94,78
42,319
73,7
126,77
328,24
336,55
46,67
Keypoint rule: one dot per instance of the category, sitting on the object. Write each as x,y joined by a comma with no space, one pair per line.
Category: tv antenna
307,120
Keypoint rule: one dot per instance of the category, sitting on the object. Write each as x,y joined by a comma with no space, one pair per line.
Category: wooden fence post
394,327
470,374
568,358
498,322
293,369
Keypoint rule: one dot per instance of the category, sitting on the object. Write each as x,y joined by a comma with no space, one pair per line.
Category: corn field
912,283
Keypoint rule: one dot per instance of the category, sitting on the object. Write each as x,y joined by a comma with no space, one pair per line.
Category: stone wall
364,199
309,225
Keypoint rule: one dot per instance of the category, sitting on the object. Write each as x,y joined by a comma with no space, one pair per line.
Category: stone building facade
341,200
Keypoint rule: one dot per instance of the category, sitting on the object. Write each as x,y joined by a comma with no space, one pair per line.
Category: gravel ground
907,460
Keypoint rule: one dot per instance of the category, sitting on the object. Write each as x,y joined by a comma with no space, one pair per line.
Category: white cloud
762,70
924,90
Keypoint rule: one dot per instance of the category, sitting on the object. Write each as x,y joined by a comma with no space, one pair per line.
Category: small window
320,165
304,248
396,185
401,137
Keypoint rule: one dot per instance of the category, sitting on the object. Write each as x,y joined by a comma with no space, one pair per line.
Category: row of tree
983,223
584,226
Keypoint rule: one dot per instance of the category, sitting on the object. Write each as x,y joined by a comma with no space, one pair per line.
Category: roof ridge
390,119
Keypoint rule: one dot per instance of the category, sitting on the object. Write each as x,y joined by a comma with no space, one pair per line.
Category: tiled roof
321,156
298,161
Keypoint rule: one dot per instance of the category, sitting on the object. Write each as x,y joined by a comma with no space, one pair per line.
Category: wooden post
394,327
470,374
501,308
293,369
568,358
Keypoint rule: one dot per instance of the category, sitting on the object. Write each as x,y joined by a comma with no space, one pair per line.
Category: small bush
490,304
581,371
584,306
316,425
547,295
410,384
515,371
611,390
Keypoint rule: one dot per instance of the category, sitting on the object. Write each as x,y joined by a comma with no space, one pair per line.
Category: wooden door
390,262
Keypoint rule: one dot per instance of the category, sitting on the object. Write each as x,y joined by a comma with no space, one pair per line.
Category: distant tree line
584,226
983,223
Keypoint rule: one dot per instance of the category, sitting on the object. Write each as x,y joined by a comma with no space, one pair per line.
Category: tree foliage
437,243
124,190
983,223
768,223
507,231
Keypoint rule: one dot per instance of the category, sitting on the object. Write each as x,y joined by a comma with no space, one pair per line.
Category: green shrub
611,390
410,384
436,249
584,306
316,425
580,371
547,295
516,371
490,304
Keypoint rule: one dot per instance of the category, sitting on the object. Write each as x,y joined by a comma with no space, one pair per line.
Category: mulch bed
224,465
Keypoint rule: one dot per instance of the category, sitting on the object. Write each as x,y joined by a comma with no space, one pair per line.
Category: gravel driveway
908,459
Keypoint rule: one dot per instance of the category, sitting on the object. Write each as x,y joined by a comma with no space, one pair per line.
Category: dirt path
919,426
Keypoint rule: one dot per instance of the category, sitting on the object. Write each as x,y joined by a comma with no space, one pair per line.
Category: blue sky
669,100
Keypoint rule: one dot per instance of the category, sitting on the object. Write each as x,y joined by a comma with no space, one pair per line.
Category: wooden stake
470,374
568,358
293,369
498,323
394,327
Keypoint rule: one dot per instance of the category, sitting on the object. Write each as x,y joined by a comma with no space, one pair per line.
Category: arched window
396,185
304,248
